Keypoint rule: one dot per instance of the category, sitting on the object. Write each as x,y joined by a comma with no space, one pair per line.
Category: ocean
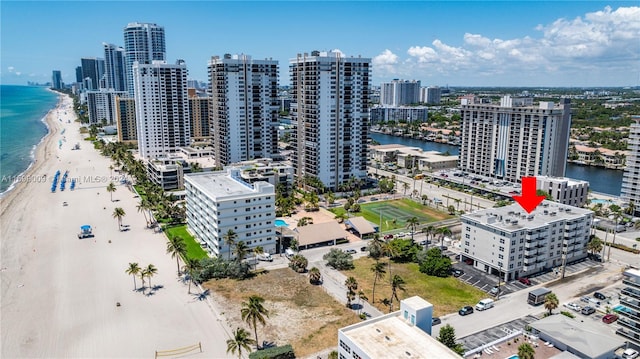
22,111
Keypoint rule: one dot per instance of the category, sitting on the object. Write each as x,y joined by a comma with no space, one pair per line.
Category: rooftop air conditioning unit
552,213
514,222
508,220
546,211
568,209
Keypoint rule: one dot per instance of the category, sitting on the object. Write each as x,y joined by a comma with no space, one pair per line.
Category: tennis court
394,214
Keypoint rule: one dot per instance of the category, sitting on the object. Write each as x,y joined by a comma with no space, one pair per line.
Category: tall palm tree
149,272
241,251
526,351
362,298
616,217
443,231
240,341
118,213
314,275
177,248
133,269
111,188
405,187
457,200
375,246
191,265
429,231
253,312
412,224
378,273
397,283
142,209
551,302
230,237
352,284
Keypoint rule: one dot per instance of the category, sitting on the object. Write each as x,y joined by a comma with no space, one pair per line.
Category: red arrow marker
529,201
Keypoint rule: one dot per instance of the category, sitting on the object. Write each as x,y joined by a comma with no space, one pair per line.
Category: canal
600,179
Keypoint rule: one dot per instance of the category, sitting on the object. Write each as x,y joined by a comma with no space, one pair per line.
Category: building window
501,241
345,346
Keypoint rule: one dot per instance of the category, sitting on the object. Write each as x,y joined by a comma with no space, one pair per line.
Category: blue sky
456,43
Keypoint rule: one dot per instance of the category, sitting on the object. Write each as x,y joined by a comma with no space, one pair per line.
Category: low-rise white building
221,201
168,172
510,242
410,157
402,334
267,170
564,190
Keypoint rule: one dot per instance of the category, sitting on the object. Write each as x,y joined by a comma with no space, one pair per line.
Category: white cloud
601,42
385,62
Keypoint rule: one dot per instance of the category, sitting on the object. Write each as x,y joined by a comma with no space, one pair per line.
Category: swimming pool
281,223
515,356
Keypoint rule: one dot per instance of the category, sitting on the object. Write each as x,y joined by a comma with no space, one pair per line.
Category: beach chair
495,348
488,351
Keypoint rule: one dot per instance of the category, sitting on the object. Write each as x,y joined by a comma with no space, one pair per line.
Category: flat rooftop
547,212
390,336
222,184
569,181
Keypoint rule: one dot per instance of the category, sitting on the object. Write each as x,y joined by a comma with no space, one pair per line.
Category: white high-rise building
515,139
115,67
509,242
244,108
330,112
162,108
143,43
102,106
630,191
221,201
399,92
431,95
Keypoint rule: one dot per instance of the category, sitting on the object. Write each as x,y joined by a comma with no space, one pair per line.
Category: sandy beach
59,293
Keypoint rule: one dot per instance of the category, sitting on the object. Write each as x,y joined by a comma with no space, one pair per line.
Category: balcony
631,303
629,335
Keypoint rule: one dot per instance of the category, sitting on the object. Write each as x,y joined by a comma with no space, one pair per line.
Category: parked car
630,354
466,310
457,272
469,261
425,242
588,310
435,321
401,234
363,249
609,318
351,251
573,306
524,281
599,295
444,248
388,236
495,290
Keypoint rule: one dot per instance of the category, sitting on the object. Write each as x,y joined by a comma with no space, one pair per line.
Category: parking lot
485,281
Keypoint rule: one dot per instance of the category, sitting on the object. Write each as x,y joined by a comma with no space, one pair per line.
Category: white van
289,252
484,304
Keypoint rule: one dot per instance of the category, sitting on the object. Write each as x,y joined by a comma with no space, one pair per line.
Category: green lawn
395,213
193,248
446,294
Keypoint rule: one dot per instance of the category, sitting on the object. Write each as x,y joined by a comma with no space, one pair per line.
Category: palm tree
594,245
412,223
457,200
443,231
378,273
118,213
191,265
256,252
133,269
526,351
149,272
551,302
429,231
341,217
397,283
111,170
405,187
254,312
352,284
362,297
241,251
375,247
240,341
424,198
177,248
111,188
230,237
141,208
616,217
314,275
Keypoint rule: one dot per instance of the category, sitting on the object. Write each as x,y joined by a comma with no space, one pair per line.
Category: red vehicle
469,261
388,236
609,318
524,281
